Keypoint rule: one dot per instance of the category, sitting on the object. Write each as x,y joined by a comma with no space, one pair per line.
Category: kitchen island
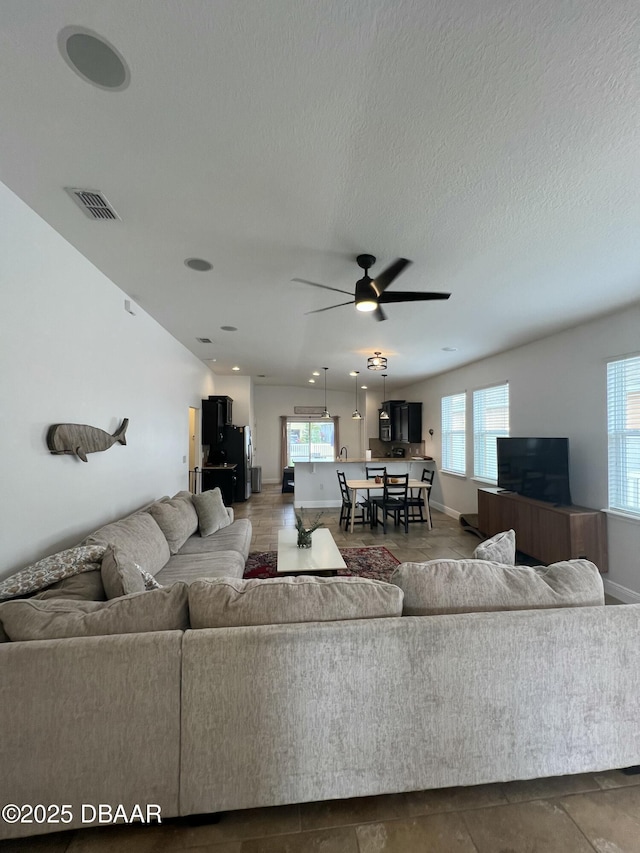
316,483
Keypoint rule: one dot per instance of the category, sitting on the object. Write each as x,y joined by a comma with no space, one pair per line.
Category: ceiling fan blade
381,282
379,314
320,310
323,286
410,296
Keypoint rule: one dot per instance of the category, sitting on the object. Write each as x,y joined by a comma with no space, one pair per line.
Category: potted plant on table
305,530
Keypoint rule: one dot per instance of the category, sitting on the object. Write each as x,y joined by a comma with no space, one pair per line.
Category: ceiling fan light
366,305
366,297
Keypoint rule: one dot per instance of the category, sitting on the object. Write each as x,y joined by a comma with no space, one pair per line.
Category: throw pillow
49,570
212,513
500,548
231,603
120,575
159,610
176,518
149,581
139,538
468,586
87,586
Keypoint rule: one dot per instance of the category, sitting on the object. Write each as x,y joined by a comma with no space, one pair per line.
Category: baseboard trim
452,513
622,593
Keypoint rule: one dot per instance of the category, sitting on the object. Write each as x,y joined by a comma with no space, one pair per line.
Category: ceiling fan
371,292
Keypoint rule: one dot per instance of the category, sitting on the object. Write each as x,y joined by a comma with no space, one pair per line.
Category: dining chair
394,501
416,497
371,472
361,517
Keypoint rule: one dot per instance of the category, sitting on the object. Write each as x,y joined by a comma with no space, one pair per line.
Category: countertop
358,459
221,467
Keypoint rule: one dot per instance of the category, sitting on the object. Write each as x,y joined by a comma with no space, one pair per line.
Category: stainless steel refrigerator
237,450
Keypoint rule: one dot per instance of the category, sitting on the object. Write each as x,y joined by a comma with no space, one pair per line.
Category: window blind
623,423
453,434
490,420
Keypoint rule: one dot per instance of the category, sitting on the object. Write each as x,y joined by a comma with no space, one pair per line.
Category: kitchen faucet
346,452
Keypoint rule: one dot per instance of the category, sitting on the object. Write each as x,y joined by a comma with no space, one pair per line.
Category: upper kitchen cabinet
410,423
217,412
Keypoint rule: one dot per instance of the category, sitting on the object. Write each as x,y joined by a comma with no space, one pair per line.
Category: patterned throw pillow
501,548
149,581
212,513
50,570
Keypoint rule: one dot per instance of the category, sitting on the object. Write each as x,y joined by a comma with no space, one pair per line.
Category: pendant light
356,414
377,361
325,414
384,415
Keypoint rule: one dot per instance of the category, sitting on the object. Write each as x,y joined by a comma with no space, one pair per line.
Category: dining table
368,486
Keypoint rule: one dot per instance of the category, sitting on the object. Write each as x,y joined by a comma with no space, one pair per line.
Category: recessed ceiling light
364,387
93,58
354,372
316,373
235,368
229,328
198,264
449,349
312,381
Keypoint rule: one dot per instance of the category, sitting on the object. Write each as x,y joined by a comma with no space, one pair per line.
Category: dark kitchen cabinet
217,412
224,479
409,423
389,429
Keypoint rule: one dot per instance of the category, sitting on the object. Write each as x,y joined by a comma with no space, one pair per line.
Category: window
311,440
490,420
623,416
453,434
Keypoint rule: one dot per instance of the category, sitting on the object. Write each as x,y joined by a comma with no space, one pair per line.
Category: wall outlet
184,458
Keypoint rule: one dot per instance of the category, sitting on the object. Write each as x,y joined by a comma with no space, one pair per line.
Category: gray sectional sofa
260,693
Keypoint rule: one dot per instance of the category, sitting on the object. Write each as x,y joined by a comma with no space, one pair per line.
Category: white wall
70,353
240,389
557,387
272,401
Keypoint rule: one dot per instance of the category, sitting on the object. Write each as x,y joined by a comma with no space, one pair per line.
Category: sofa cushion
229,603
190,567
49,570
212,513
87,586
500,548
177,518
234,537
159,610
138,538
120,574
467,586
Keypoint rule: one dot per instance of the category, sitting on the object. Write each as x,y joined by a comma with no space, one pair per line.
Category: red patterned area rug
376,563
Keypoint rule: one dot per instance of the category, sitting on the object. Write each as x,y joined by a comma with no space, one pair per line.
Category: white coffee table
323,558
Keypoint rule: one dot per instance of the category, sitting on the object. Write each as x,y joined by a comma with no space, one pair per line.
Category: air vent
93,203
205,340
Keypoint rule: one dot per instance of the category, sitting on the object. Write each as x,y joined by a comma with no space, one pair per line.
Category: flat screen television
535,468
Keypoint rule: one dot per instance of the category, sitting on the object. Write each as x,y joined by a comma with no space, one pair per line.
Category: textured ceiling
495,144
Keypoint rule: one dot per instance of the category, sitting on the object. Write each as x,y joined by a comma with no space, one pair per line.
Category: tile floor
573,814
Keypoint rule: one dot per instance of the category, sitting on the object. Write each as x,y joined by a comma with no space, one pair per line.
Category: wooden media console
544,531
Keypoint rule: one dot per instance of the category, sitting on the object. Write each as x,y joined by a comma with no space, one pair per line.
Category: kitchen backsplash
385,448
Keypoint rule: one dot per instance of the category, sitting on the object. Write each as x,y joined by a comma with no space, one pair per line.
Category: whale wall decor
80,439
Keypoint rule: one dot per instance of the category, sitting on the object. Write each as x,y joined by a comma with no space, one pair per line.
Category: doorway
194,444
